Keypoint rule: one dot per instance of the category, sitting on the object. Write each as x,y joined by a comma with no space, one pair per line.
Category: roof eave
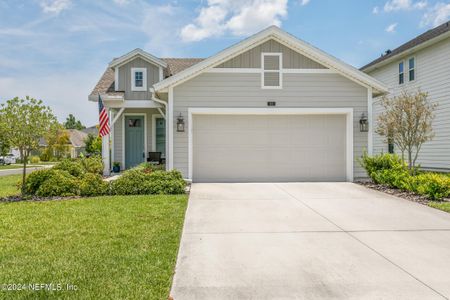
137,52
409,51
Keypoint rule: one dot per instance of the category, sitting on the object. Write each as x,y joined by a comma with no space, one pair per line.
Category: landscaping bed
111,247
389,174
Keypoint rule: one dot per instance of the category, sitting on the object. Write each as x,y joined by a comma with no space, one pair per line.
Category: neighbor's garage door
265,148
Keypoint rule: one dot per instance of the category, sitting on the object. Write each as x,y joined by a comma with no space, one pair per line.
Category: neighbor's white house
421,63
269,108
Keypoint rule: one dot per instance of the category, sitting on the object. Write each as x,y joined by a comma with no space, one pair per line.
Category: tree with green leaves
25,121
73,123
407,122
93,144
4,143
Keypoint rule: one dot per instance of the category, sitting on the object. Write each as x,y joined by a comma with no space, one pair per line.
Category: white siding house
430,55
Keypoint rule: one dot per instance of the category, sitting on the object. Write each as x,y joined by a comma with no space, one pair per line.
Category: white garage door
268,148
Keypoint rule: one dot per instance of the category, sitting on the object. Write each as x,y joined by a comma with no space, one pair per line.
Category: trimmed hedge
389,170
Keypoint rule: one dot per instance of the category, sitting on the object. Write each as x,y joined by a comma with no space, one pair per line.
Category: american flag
103,118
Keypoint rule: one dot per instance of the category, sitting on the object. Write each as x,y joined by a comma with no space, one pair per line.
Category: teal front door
160,138
134,141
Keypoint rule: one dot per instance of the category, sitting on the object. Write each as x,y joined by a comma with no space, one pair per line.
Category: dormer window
138,79
271,77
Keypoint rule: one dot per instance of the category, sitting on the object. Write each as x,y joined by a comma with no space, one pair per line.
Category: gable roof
137,52
431,35
105,86
283,37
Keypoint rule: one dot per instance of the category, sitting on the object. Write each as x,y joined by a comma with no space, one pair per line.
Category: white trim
117,116
276,111
161,73
370,120
116,79
142,88
279,71
154,117
137,52
234,70
284,38
309,71
170,113
401,73
414,69
135,104
123,135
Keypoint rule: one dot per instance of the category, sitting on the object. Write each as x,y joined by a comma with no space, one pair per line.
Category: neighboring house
269,108
76,144
422,63
91,130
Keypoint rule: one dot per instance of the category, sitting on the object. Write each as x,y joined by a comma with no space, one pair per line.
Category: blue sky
56,50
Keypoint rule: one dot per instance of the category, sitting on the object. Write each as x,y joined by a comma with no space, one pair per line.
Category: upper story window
271,64
412,68
138,79
401,73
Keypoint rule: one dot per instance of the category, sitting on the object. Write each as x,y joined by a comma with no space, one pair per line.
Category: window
401,73
138,79
412,68
271,64
134,122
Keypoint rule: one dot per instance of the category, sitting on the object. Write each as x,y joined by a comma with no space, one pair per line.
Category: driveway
310,241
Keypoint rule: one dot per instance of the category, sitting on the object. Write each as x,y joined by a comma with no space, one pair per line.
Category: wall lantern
180,123
363,124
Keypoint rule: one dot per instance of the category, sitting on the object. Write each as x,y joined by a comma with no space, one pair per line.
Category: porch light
363,124
180,123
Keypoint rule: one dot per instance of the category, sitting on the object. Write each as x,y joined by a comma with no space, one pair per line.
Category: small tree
4,143
407,122
73,123
24,122
58,140
93,144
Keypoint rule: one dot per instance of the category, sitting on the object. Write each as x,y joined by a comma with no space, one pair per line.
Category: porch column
105,155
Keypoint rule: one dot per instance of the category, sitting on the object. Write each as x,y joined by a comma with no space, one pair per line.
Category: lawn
8,167
445,206
121,247
8,185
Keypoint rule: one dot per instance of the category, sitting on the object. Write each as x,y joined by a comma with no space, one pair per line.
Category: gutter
152,90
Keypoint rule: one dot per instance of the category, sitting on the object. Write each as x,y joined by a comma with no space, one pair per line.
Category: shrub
377,163
434,186
93,185
60,183
138,182
35,159
93,164
148,167
45,156
74,167
36,178
397,177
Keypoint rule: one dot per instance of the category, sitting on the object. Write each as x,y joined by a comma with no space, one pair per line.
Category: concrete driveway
310,241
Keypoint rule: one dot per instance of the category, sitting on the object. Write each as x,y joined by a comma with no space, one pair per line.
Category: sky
56,50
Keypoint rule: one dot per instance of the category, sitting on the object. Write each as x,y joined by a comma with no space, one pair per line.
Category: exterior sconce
363,123
180,123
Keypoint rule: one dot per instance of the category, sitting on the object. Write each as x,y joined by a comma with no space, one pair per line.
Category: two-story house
269,108
421,63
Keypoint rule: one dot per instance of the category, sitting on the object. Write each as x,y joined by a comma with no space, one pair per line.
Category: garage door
268,148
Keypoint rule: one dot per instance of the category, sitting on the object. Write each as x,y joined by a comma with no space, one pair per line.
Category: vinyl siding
118,132
244,90
252,58
432,76
125,78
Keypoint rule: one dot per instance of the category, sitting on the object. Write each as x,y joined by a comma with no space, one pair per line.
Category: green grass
121,247
13,166
8,185
445,206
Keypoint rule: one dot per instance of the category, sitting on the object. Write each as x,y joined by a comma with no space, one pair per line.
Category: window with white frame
138,79
401,73
271,65
412,69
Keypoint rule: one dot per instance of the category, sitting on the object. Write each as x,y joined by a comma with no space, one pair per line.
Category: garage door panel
235,148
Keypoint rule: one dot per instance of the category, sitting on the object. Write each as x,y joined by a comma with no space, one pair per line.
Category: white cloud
375,10
437,15
55,6
304,2
397,5
391,28
122,2
239,17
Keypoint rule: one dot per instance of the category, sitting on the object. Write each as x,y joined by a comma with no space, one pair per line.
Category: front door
134,141
160,138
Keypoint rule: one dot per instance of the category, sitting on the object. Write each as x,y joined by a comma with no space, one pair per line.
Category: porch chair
154,158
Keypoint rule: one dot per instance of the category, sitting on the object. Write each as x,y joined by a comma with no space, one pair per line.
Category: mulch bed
398,193
36,198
